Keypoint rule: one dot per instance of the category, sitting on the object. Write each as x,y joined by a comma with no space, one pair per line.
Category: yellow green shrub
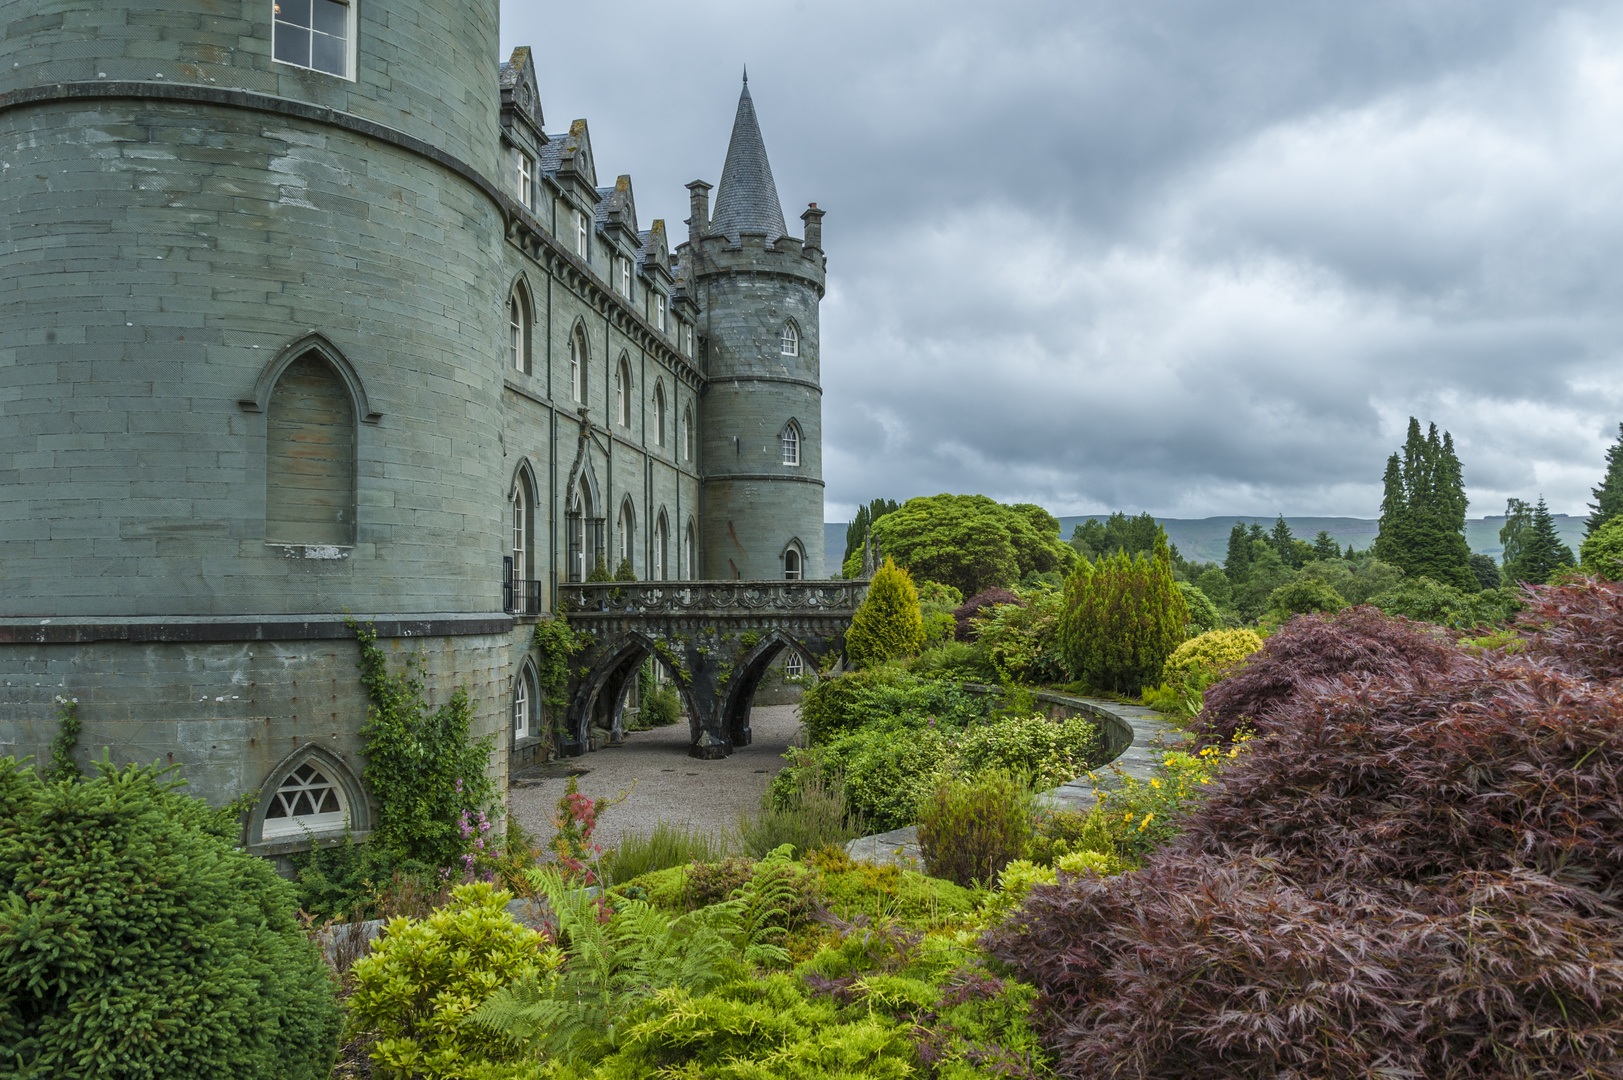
418,985
888,624
1215,652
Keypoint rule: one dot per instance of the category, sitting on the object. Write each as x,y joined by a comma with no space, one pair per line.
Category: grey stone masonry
1138,736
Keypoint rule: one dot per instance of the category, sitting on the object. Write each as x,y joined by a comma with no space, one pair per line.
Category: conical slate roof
747,200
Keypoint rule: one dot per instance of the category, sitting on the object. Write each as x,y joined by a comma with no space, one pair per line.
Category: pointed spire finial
746,74
746,198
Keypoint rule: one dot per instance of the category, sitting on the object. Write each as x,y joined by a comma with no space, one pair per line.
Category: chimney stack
699,204
813,218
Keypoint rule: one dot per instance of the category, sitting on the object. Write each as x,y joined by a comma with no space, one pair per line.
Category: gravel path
669,785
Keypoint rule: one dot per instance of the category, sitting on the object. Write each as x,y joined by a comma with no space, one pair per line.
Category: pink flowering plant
576,821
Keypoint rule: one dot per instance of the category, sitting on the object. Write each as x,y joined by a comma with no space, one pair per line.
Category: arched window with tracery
789,340
791,443
307,800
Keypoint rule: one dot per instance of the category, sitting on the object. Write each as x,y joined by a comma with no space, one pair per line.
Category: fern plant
614,961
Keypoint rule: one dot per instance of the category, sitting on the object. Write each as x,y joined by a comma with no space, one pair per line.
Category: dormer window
523,181
625,278
789,340
659,311
314,34
580,234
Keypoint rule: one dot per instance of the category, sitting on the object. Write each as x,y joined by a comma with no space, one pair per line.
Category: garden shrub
422,980
1358,641
1045,752
964,615
1602,551
1216,652
807,811
668,845
1022,640
137,941
1421,859
936,605
1303,596
846,703
660,706
1203,614
886,770
1445,605
888,625
1123,617
956,660
969,830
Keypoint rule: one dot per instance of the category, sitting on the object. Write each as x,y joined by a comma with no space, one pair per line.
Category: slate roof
747,199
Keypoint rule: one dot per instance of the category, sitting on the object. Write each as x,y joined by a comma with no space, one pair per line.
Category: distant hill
1207,539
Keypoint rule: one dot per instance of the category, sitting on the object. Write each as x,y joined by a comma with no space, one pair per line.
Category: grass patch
668,846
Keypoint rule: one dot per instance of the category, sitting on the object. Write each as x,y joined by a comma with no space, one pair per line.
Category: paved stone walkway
1151,734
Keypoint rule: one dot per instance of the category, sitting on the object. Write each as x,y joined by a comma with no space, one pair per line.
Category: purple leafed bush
981,601
1418,872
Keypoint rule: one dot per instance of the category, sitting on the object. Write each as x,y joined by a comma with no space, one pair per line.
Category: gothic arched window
687,434
661,544
690,558
518,330
308,800
659,414
526,703
789,340
577,365
791,443
628,528
794,562
622,393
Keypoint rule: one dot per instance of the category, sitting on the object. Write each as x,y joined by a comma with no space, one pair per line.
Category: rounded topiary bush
1602,552
137,941
1305,597
1215,652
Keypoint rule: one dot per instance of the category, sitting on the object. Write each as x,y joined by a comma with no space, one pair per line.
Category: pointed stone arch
600,695
318,344
282,782
746,677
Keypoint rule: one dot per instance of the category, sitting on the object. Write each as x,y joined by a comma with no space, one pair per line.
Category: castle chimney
699,204
813,218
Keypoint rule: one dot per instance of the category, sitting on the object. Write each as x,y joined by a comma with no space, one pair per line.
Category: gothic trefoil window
789,340
791,444
306,801
314,34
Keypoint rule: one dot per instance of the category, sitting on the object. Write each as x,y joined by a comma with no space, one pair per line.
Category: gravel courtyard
665,783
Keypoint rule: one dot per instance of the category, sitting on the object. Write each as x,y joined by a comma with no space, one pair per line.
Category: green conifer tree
1122,619
1237,563
888,624
1325,546
1284,542
1539,551
1608,502
1422,527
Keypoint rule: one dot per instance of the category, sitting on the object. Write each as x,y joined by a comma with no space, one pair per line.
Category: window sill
291,845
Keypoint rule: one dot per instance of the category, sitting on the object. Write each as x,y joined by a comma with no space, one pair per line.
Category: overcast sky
1194,258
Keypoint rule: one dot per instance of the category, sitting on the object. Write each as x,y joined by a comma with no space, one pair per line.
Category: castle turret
759,289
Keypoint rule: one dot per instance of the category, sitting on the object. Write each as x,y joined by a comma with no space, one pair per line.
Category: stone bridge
715,638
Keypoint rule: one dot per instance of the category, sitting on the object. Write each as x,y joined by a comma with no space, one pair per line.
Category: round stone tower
249,373
758,289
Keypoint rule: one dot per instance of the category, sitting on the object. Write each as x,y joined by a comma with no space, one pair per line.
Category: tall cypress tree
1608,502
1237,564
1422,527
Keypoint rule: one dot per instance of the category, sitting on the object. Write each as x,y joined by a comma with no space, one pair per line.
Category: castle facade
307,315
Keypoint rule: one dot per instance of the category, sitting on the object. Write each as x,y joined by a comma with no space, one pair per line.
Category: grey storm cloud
1185,257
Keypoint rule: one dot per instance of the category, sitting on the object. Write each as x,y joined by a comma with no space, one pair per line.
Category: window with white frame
789,340
687,434
793,666
625,278
314,34
517,329
687,340
580,234
577,366
521,532
794,563
622,395
307,801
524,702
659,310
628,525
791,444
524,178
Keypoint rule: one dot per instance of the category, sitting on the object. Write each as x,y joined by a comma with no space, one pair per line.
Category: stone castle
308,315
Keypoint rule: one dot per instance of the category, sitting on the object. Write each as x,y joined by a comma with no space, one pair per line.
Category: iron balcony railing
520,596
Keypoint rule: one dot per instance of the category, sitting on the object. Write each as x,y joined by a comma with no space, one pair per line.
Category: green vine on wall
62,766
424,769
556,642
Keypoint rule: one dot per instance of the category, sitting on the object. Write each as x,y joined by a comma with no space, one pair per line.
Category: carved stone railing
719,597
